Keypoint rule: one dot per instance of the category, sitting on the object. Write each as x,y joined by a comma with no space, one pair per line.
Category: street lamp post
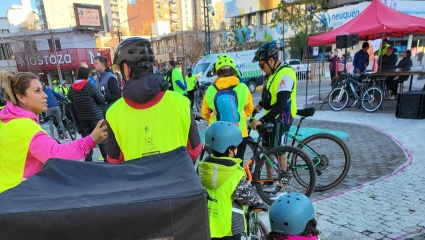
283,30
207,9
56,52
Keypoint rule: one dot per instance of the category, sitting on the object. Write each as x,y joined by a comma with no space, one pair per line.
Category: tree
297,16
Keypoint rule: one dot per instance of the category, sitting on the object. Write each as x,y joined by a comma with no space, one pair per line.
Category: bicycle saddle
265,128
259,207
306,112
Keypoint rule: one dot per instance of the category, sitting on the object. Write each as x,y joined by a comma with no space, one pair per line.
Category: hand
99,133
255,123
257,108
357,70
396,78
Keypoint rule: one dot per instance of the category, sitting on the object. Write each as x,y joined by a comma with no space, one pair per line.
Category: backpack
226,105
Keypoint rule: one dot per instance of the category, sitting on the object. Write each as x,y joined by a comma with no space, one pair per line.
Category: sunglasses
261,65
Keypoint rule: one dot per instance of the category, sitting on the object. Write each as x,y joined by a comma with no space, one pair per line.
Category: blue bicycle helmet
222,135
265,51
290,213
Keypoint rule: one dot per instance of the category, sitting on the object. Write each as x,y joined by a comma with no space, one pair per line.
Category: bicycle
365,91
328,153
255,228
70,125
266,174
199,94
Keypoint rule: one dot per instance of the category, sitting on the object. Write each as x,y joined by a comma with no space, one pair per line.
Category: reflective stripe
235,210
215,175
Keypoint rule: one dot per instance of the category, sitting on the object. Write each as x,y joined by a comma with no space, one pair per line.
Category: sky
5,4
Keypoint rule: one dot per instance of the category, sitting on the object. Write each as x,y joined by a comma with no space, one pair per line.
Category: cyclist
86,100
278,97
225,181
148,119
192,84
292,218
25,146
175,78
215,108
54,110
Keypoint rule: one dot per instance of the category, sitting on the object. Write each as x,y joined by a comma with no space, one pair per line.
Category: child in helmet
292,218
225,181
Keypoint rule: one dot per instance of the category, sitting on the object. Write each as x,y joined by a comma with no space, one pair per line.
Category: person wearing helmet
228,99
192,84
292,218
278,97
225,181
147,119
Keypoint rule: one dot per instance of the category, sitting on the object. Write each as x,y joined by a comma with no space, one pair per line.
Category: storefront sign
66,58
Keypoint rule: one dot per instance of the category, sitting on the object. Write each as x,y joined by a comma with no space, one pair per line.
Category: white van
251,73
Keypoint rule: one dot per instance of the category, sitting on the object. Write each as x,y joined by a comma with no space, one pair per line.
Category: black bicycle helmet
265,51
136,52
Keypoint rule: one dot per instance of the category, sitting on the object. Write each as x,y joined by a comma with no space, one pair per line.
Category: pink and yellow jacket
41,146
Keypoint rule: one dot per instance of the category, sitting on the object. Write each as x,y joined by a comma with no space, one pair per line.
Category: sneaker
274,196
392,97
268,186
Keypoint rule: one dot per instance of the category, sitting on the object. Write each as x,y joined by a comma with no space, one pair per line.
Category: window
239,22
5,31
252,19
266,17
57,43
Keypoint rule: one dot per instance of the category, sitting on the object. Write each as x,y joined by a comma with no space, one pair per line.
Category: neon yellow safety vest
273,85
15,139
177,75
383,51
157,129
220,209
191,82
241,91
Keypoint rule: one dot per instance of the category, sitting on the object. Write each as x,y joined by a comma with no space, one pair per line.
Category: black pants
191,96
392,84
242,148
86,128
235,237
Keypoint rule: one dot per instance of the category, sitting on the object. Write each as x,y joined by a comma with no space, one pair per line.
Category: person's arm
355,62
114,90
60,96
392,60
244,194
98,97
43,147
194,145
115,154
178,78
278,107
205,109
249,105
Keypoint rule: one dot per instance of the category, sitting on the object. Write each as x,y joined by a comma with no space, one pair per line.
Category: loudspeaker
346,41
342,41
411,105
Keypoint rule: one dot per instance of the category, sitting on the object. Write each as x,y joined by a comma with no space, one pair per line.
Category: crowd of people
138,124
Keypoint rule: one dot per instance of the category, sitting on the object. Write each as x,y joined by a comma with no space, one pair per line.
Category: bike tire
299,177
331,158
372,99
72,130
258,231
199,95
338,99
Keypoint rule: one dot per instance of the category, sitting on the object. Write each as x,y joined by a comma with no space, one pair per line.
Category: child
225,181
292,218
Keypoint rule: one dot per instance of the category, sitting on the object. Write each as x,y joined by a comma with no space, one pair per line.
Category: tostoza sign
66,58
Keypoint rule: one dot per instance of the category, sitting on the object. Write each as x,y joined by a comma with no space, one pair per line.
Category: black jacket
404,63
86,99
389,61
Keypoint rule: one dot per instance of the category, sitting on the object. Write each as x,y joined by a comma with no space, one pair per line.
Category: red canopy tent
376,21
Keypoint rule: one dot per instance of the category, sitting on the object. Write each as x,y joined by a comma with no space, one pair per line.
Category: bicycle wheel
72,130
338,99
372,99
331,158
257,230
199,95
271,181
